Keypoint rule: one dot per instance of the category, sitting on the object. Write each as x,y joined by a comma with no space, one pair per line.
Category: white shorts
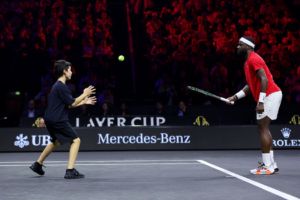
271,106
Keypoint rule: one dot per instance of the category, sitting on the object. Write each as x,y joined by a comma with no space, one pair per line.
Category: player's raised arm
87,92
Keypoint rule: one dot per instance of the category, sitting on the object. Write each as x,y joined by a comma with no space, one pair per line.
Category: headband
248,42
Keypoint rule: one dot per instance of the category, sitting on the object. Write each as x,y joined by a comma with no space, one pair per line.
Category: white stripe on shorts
271,106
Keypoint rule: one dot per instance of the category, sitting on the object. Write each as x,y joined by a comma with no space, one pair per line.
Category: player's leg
266,141
273,105
264,134
71,172
271,108
266,144
47,151
37,166
266,167
74,148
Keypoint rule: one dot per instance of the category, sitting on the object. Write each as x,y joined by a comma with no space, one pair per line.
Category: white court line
103,164
96,161
257,184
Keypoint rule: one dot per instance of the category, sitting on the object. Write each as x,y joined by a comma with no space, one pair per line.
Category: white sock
272,156
266,158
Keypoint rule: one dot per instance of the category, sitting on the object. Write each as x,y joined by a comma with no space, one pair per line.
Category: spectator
39,123
159,109
123,110
105,109
31,111
182,109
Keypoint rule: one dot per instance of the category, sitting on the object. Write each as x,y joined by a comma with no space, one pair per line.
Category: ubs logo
21,141
35,140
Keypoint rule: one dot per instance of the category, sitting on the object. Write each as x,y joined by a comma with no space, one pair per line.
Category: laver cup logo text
162,138
120,121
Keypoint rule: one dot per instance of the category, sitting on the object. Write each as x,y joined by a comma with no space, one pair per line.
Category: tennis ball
121,58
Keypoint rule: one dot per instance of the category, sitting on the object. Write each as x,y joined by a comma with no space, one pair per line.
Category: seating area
185,42
191,41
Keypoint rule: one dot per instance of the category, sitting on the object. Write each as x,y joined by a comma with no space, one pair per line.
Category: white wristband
262,96
240,94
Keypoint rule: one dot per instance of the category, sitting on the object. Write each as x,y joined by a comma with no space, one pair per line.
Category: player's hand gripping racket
209,94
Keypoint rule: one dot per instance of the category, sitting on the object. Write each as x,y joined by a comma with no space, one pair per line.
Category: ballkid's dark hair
60,66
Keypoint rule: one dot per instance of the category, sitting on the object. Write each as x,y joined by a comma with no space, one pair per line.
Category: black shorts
61,132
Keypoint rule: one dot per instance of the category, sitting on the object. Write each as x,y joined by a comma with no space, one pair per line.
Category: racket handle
227,101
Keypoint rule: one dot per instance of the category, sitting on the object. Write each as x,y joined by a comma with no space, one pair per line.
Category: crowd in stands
194,42
33,34
57,26
187,42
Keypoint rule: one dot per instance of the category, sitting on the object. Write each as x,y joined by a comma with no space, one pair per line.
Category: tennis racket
195,89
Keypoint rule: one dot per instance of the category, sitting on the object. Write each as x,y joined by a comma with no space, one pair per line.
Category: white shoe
263,170
276,169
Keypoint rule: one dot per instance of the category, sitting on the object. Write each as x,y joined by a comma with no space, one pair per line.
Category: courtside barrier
154,138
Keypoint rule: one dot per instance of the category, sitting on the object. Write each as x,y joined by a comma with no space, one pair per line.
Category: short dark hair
60,66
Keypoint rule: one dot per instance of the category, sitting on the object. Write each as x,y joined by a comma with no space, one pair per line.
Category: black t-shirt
59,99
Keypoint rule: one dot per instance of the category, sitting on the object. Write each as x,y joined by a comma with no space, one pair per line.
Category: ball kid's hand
89,90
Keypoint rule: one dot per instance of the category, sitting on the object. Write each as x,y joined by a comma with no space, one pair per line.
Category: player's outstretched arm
87,92
88,101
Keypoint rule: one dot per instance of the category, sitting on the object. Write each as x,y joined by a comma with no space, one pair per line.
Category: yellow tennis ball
121,58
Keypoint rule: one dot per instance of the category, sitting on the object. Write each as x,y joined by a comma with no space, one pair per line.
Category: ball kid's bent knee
77,140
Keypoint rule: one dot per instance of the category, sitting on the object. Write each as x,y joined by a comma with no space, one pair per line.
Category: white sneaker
263,170
276,169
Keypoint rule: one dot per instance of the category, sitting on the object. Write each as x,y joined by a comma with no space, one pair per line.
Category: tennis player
268,96
57,122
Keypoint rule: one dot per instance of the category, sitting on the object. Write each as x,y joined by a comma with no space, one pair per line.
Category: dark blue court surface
135,175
